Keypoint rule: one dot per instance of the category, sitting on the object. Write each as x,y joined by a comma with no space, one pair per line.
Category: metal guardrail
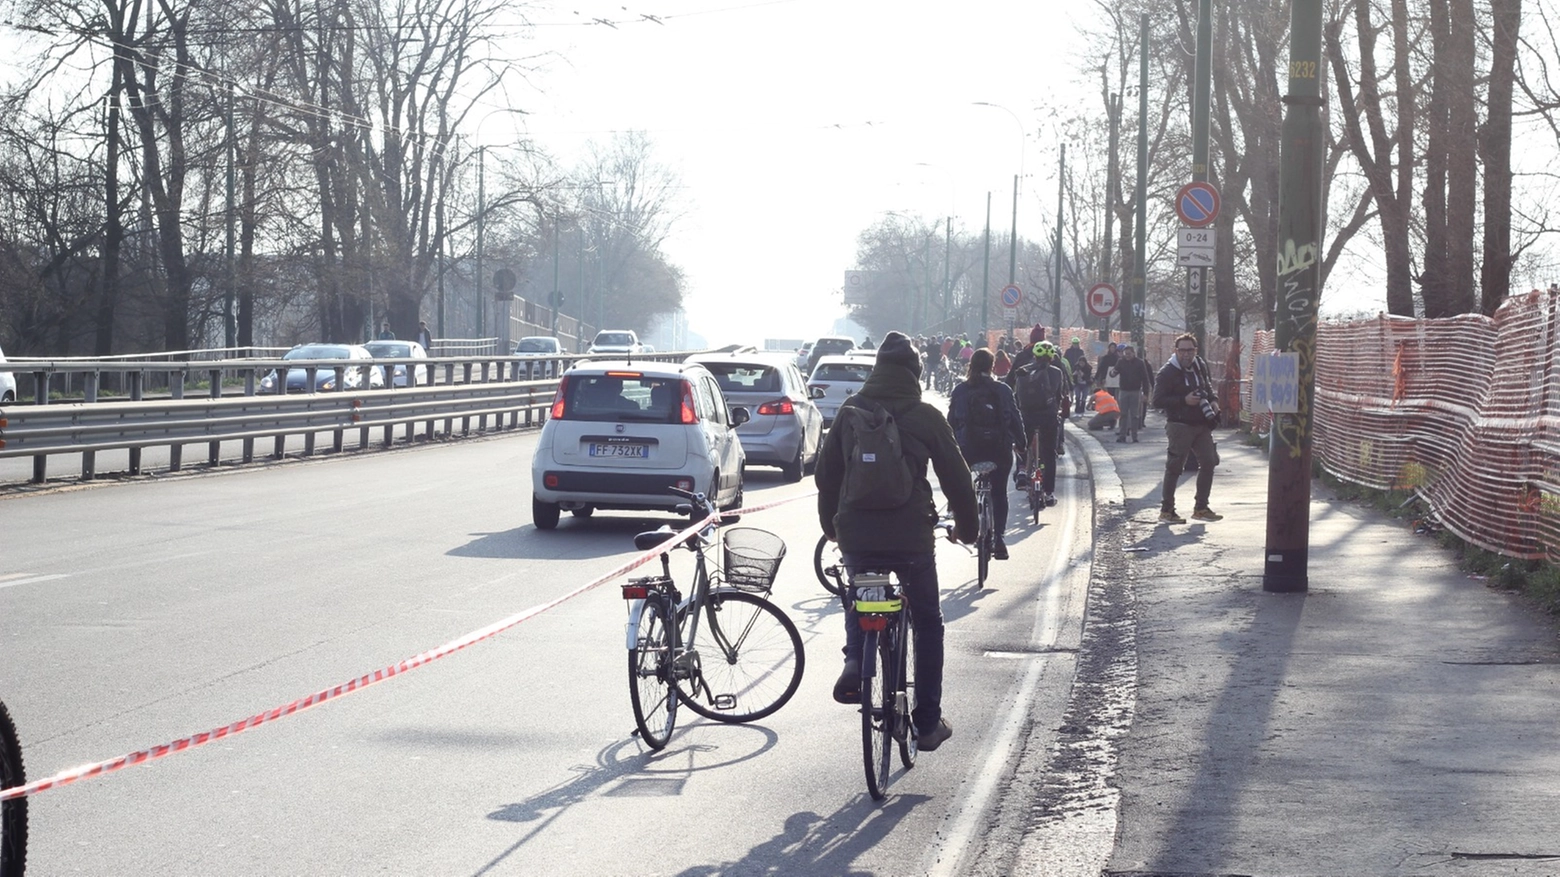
466,389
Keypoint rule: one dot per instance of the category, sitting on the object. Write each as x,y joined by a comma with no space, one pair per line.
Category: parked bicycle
13,813
887,676
724,650
986,541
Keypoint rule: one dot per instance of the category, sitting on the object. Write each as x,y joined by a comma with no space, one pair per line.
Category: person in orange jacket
1106,411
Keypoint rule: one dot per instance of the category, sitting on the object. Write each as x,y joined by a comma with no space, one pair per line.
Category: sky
795,124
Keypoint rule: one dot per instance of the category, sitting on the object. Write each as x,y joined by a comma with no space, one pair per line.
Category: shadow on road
813,844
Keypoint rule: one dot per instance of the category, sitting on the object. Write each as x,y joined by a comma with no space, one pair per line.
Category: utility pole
985,272
1197,277
1300,290
1056,298
229,327
1140,270
481,218
1012,263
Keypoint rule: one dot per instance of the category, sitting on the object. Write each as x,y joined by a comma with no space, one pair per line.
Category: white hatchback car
620,434
7,383
834,379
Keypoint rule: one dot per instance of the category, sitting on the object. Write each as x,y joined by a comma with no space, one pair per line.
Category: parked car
400,350
541,353
7,383
621,433
786,427
828,345
297,379
834,379
616,341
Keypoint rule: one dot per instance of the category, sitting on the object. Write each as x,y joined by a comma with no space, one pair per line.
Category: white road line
966,815
31,580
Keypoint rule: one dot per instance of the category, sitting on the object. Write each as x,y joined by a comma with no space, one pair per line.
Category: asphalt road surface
134,614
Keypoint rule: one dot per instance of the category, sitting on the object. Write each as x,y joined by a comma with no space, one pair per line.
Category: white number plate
641,451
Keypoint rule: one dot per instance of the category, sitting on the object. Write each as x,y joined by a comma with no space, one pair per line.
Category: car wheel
544,514
793,469
583,511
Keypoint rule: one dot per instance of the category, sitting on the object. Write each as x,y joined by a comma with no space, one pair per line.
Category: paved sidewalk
1399,719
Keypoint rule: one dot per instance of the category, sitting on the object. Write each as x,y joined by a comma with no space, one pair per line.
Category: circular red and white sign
1102,300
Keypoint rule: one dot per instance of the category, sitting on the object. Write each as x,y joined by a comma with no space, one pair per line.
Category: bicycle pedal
725,701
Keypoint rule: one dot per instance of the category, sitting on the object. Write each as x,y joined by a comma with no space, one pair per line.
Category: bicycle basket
752,558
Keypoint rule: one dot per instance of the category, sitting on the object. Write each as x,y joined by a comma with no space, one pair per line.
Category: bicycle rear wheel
13,814
829,566
984,541
650,687
750,659
877,712
906,687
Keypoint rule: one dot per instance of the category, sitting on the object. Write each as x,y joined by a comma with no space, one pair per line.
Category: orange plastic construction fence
1463,411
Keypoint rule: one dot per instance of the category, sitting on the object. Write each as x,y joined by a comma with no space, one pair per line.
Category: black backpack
983,432
878,471
1039,389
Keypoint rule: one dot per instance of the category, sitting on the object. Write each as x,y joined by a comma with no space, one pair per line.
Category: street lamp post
1013,240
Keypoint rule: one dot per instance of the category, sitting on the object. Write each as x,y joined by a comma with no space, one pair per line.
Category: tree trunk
1495,282
1462,165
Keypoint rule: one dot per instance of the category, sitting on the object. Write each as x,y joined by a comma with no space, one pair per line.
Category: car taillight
779,406
551,480
558,406
688,414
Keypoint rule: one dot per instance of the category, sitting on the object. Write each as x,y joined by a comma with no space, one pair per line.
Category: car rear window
825,348
616,339
738,378
640,399
391,350
535,345
842,371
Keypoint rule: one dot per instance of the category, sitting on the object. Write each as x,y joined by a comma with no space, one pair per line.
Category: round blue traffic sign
1011,296
1197,203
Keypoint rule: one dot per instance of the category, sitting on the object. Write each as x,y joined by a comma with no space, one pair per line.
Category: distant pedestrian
1183,390
1003,364
384,332
1136,382
1105,374
424,337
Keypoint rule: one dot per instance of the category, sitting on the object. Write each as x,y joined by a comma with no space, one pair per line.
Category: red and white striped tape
89,771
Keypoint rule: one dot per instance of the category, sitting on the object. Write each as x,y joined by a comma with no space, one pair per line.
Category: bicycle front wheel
13,813
650,672
750,659
877,712
829,566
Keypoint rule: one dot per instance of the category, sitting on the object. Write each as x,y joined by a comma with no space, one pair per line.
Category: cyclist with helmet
1041,390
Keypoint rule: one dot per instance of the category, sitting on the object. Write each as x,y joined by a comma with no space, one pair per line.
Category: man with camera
1183,391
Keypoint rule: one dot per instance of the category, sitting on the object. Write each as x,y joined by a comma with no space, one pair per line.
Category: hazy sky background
795,124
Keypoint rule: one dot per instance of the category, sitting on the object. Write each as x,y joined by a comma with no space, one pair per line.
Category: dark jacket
1171,386
1043,419
1135,375
1102,368
928,439
1007,409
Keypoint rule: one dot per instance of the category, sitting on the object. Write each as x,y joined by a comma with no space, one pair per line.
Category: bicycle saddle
650,539
983,468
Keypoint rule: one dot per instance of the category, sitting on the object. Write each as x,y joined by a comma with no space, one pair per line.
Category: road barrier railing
505,391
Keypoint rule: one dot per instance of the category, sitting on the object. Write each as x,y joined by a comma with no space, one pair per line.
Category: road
138,613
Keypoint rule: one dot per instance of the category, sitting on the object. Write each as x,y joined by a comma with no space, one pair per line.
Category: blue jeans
918,576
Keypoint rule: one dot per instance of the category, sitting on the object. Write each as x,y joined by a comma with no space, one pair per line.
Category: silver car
7,383
834,379
787,427
540,356
400,350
